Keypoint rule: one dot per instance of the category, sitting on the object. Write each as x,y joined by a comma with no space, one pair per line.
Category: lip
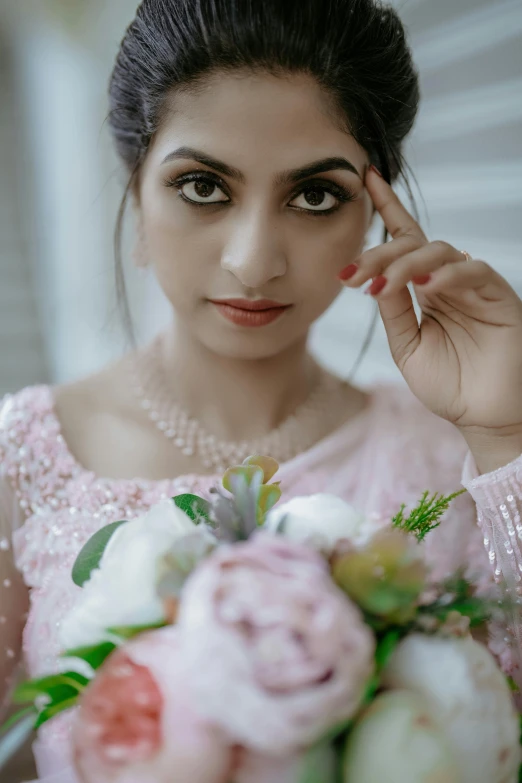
250,304
250,312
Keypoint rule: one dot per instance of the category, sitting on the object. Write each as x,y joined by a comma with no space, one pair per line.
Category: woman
253,135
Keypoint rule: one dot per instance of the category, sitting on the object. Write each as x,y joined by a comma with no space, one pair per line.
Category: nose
254,251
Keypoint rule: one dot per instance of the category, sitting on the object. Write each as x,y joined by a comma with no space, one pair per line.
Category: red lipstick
250,312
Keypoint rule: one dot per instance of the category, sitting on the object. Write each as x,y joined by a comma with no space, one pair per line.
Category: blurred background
61,183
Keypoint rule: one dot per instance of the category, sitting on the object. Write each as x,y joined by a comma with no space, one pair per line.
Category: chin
257,343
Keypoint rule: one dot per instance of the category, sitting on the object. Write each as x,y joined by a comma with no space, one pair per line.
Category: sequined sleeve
498,498
14,598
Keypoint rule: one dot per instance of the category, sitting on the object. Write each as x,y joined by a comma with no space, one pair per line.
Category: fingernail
421,279
374,168
348,272
377,286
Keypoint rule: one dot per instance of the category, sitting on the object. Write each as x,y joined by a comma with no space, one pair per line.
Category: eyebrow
289,177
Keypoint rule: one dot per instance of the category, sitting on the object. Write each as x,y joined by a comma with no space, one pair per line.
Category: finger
376,261
420,263
401,325
474,275
406,232
396,217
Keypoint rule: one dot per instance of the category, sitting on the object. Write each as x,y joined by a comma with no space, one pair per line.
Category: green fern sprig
426,515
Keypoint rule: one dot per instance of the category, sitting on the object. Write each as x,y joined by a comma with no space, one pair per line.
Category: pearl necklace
297,433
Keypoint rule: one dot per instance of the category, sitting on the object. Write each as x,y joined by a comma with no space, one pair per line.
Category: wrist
492,450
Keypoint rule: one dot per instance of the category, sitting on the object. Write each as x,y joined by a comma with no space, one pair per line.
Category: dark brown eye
202,191
316,198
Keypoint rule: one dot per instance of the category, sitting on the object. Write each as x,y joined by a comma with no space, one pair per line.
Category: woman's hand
464,360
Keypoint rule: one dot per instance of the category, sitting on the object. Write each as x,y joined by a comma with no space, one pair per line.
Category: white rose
317,520
397,741
122,590
468,695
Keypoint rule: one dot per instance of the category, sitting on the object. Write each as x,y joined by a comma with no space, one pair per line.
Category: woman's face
228,210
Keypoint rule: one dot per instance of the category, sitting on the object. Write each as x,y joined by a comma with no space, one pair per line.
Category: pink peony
137,724
277,652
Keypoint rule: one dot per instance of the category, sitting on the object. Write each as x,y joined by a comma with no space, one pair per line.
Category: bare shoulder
102,395
99,416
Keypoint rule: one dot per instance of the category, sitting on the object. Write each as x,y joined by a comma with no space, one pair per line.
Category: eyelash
342,194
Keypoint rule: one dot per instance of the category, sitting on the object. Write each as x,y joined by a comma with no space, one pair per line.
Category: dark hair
355,49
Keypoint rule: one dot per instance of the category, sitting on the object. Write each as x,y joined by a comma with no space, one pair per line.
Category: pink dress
388,455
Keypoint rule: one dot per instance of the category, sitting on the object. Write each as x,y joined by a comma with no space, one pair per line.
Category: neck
237,399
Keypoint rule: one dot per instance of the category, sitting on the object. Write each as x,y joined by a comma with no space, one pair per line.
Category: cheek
165,224
319,255
339,238
177,265
178,250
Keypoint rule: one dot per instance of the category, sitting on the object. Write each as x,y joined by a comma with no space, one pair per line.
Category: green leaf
54,709
372,686
385,647
246,498
476,609
268,465
426,515
91,554
129,631
194,507
457,596
269,494
336,731
94,655
242,473
320,764
17,734
58,687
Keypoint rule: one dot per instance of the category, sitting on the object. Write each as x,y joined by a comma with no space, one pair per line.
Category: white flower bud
468,695
318,520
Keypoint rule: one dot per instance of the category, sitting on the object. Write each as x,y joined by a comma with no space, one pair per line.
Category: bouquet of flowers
236,641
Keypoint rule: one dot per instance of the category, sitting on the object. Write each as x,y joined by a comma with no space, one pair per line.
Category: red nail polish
374,168
348,272
421,279
377,285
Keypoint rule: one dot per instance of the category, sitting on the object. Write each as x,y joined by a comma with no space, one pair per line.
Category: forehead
254,120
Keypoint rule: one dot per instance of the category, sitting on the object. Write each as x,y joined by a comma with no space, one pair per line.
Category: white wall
73,182
22,356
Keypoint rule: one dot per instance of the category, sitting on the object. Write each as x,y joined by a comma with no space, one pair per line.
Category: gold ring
466,254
